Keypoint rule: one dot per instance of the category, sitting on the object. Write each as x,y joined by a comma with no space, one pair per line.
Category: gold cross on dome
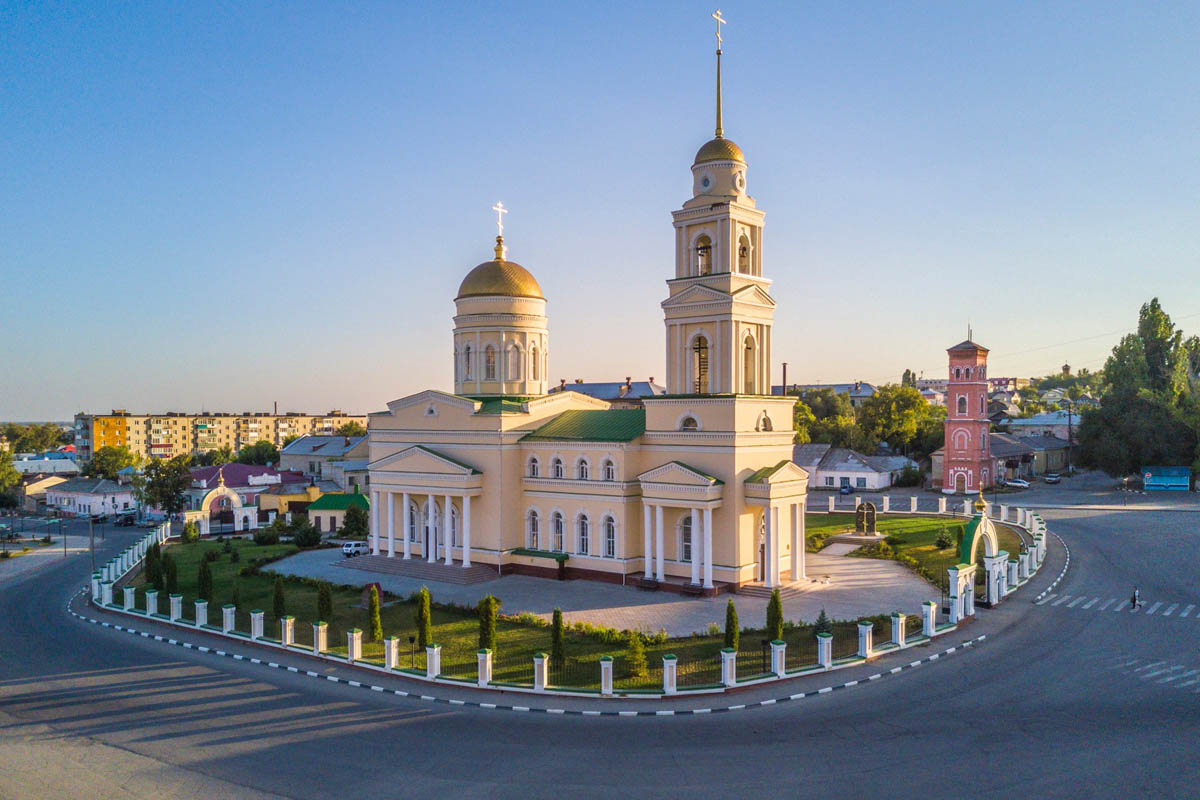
500,212
720,21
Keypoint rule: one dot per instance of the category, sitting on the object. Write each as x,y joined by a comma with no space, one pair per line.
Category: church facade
694,491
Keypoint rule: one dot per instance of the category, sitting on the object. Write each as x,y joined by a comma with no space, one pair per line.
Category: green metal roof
614,425
443,457
701,473
966,544
766,472
501,404
339,502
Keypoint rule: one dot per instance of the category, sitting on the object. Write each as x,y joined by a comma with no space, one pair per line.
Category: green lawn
908,536
457,629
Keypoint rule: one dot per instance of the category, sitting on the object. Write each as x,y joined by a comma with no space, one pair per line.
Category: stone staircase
422,570
786,592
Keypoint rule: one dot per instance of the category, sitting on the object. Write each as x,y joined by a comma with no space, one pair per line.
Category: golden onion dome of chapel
500,278
719,149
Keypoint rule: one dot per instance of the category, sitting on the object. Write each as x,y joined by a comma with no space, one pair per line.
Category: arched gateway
979,533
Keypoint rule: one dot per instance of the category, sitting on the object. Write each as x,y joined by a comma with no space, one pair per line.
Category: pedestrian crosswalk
1162,673
1155,608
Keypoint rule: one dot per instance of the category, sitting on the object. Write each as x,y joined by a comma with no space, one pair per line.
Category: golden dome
500,278
719,149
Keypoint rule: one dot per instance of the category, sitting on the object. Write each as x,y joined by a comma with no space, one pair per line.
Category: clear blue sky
224,205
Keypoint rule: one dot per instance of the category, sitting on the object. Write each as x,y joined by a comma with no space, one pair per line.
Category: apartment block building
176,433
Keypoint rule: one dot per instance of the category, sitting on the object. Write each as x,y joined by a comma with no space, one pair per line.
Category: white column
391,526
768,546
696,545
912,504
466,530
708,584
429,516
658,542
648,567
375,525
407,516
777,544
446,531
797,543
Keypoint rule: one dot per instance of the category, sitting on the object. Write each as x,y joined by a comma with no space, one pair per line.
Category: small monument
864,519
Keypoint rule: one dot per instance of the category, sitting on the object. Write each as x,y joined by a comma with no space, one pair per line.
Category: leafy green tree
34,437
303,533
424,618
635,656
823,624
376,625
261,452
324,602
218,456
154,566
802,422
109,460
191,532
733,633
558,655
166,482
356,524
291,437
488,609
893,415
170,574
775,616
351,429
204,582
9,476
909,379
278,602
944,540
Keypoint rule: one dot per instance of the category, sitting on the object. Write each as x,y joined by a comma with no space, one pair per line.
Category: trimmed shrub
635,656
212,555
305,535
191,533
376,626
266,536
204,582
823,624
235,556
775,616
732,631
227,545
170,574
944,540
356,524
324,602
279,607
558,655
489,608
423,618
154,566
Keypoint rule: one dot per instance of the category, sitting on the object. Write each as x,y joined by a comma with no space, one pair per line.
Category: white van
351,549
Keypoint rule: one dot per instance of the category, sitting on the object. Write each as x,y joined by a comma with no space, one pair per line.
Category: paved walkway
857,587
38,556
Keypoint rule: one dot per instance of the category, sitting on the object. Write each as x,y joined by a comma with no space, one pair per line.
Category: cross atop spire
720,133
500,212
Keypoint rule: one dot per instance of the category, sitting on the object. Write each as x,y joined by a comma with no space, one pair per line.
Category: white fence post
320,637
540,674
201,613
912,504
928,618
899,632
151,602
941,505
832,501
175,603
287,630
391,652
130,598
1012,574
728,667
485,666
887,503
606,675
778,651
670,663
256,624
228,618
433,660
825,650
354,645
865,630
106,593
966,508
95,587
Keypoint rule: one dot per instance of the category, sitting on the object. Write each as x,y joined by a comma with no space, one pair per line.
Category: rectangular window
829,480
861,483
843,481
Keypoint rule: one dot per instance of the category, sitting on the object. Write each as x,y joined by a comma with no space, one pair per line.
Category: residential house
934,397
246,481
328,513
88,496
831,467
309,454
33,491
52,462
347,475
858,391
1051,423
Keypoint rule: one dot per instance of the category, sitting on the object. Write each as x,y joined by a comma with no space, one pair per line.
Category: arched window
534,371
982,406
583,545
610,470
610,538
962,404
556,527
962,439
533,467
983,440
685,540
749,366
744,254
764,422
967,374
700,365
689,424
704,256
531,533
556,468
513,368
489,363
957,373
467,362
582,470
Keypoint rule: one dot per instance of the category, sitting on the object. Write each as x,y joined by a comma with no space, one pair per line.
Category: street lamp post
92,536
1070,434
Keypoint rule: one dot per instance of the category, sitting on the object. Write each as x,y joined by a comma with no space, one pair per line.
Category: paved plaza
857,587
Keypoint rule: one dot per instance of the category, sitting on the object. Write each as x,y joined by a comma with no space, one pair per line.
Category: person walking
1136,600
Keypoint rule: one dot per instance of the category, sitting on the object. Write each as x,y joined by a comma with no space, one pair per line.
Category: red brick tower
968,465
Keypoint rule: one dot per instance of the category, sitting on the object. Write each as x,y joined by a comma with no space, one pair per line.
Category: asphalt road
1062,700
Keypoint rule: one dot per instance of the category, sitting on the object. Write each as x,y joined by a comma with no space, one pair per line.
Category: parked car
1017,483
1052,477
352,549
846,490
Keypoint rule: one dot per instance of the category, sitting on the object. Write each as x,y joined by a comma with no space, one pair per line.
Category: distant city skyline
221,209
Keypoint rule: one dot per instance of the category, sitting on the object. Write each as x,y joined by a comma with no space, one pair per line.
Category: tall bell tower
967,463
718,313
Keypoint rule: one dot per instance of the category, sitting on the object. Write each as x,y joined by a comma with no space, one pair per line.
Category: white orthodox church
694,492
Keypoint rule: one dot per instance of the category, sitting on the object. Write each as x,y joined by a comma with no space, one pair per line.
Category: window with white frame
829,480
582,470
610,538
584,545
489,363
556,527
689,424
531,531
556,468
414,514
533,467
610,470
685,540
860,483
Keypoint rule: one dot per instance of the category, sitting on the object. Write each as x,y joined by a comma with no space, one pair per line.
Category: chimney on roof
562,384
628,382
652,379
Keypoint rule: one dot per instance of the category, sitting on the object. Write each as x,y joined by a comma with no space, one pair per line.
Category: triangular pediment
423,460
678,473
432,397
755,295
698,293
785,472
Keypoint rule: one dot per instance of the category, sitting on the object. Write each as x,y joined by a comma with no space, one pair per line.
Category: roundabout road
1073,701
